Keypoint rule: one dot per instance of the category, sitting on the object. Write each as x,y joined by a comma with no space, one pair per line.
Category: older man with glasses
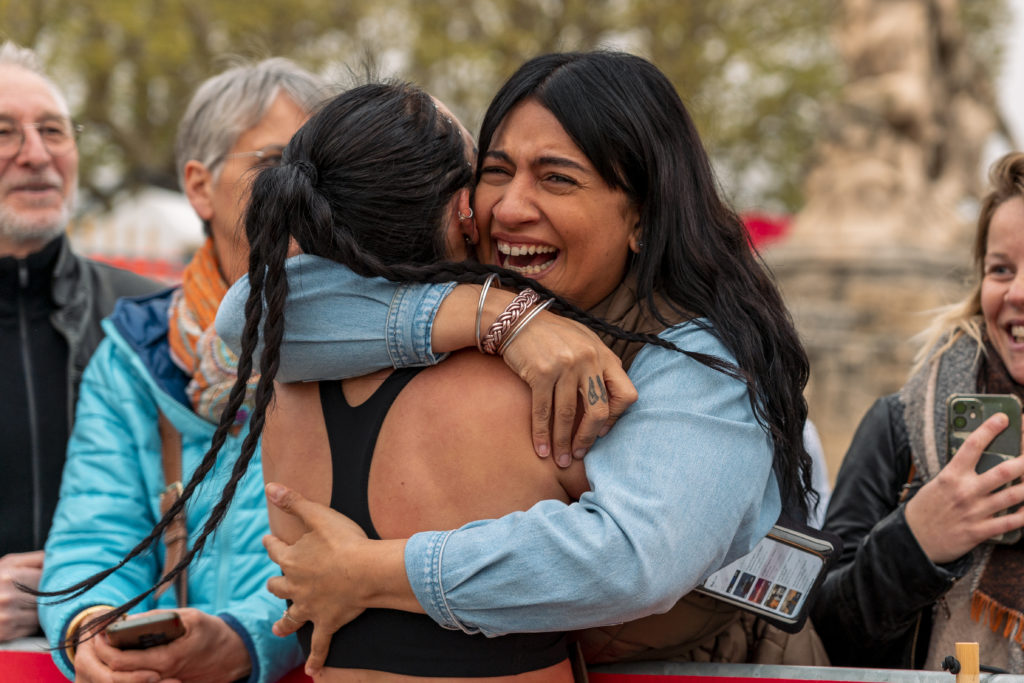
51,304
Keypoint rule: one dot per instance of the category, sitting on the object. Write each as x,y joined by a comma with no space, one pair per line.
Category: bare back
454,447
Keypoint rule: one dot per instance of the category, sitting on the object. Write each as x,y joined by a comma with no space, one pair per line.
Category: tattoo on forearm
592,391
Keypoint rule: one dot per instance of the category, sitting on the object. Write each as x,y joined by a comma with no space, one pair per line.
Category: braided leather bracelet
521,324
504,322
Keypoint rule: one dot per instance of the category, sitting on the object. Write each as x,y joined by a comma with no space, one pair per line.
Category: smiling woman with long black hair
592,180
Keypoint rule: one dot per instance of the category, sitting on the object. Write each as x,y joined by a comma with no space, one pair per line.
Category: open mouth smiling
1016,332
526,259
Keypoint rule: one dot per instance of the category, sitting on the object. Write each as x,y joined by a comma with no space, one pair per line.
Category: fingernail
579,453
563,460
274,492
542,450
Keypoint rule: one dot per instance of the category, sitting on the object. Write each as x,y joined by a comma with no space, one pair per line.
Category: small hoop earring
466,218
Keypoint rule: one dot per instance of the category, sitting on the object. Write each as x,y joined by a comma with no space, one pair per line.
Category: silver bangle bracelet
522,323
480,308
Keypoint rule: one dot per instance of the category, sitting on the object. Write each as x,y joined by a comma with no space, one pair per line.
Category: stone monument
885,234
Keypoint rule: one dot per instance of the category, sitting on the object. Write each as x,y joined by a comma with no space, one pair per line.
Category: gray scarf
963,614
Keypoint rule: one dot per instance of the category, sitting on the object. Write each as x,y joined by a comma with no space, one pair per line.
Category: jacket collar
66,274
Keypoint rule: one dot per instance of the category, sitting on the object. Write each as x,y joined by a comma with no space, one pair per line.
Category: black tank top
391,640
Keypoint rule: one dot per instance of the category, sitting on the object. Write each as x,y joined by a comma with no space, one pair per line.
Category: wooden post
970,671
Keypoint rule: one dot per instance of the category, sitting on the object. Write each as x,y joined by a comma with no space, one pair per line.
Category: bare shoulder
456,446
294,418
296,451
473,387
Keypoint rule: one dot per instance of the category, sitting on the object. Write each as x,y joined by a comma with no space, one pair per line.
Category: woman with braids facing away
615,209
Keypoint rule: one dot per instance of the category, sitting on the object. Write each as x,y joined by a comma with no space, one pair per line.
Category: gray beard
19,230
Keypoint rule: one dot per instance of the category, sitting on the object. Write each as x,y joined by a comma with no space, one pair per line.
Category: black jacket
50,329
874,608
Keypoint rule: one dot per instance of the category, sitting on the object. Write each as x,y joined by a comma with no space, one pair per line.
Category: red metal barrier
39,668
29,666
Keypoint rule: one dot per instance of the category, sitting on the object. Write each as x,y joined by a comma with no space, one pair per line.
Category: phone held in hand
777,578
964,414
140,632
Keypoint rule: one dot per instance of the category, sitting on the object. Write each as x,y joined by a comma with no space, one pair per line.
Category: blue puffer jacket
110,497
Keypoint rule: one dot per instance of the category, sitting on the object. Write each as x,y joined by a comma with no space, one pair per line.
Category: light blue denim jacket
682,485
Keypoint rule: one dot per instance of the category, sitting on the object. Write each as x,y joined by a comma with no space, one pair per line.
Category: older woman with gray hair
149,402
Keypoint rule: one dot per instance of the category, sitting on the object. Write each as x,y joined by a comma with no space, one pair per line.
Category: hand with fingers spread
578,384
955,511
18,609
324,573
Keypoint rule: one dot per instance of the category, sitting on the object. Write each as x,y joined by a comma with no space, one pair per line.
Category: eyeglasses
58,136
268,156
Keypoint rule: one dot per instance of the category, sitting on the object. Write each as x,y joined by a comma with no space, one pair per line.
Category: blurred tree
129,67
754,74
883,236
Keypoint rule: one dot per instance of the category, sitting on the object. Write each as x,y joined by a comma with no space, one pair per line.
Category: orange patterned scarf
195,346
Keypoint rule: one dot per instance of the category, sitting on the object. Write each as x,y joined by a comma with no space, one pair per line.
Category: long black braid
270,244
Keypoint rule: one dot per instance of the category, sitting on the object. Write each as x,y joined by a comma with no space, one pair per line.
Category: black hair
366,182
627,118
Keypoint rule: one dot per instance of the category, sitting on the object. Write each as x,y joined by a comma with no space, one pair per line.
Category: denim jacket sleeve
341,324
680,486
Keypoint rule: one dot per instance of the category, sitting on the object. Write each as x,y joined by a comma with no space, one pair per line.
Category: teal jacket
110,497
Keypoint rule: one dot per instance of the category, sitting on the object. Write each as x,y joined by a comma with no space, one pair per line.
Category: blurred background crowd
853,135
